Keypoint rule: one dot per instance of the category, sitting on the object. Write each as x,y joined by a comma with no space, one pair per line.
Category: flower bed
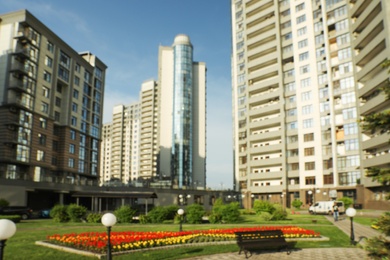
129,240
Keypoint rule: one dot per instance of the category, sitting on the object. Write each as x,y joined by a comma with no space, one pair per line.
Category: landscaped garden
151,235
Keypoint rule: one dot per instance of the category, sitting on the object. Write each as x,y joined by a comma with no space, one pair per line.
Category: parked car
23,212
326,207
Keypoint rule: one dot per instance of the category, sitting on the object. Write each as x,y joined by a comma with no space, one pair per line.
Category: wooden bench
253,240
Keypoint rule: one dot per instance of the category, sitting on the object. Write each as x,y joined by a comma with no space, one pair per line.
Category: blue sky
126,34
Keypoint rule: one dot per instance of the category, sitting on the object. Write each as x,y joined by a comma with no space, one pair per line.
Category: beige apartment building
301,71
50,112
167,147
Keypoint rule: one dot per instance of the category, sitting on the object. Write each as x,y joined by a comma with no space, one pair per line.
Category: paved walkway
361,233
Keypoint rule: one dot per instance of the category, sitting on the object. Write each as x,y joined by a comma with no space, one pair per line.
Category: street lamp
351,212
183,199
252,200
109,220
7,230
181,213
310,194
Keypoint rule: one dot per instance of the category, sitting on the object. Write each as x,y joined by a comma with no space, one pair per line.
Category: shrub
265,216
94,218
76,212
279,214
4,203
216,213
347,201
231,213
58,213
221,213
194,213
297,204
263,206
143,219
158,214
171,211
125,214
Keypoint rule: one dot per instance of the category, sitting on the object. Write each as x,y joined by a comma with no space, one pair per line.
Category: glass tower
182,147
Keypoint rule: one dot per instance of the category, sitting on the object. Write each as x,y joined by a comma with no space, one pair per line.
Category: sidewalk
361,233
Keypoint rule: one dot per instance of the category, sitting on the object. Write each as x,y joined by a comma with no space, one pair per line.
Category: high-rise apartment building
298,71
182,135
171,124
51,105
119,148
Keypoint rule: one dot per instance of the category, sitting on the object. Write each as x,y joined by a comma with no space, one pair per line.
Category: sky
126,35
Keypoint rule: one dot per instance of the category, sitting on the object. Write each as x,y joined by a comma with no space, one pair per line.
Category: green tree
76,212
4,202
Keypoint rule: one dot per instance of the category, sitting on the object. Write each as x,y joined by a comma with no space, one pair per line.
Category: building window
74,121
351,145
309,151
75,94
305,82
71,163
300,7
306,96
302,44
72,148
58,102
310,180
50,47
47,76
302,31
308,109
292,125
307,123
303,56
43,123
301,19
42,139
77,81
304,69
74,107
77,68
308,137
40,156
44,107
45,92
49,62
57,116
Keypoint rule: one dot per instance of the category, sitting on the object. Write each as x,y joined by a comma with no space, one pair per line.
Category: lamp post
7,230
109,220
181,212
310,196
351,212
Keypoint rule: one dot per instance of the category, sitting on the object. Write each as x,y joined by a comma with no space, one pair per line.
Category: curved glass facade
182,148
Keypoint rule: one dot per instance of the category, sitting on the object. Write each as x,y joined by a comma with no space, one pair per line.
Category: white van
326,207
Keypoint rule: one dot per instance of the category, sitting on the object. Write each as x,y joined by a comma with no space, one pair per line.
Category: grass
22,245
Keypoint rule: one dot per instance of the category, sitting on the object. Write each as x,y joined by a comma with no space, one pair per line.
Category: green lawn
22,244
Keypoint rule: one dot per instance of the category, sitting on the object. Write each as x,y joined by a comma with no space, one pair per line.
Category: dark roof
116,194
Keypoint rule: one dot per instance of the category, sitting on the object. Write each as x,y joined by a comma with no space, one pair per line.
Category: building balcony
376,141
381,159
264,162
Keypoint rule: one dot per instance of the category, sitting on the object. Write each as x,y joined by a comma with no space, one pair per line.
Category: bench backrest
259,235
